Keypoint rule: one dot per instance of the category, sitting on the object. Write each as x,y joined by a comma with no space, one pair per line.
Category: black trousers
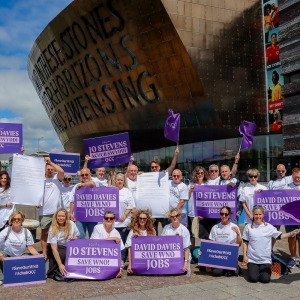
260,273
205,227
53,266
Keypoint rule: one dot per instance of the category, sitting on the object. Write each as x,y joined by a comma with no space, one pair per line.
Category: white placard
27,180
153,192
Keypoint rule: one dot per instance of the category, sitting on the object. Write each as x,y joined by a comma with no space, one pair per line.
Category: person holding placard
100,172
15,239
226,232
141,225
175,228
51,200
66,192
106,231
257,238
126,205
6,207
61,231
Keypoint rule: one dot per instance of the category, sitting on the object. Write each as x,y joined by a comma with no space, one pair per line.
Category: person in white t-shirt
66,194
132,172
257,238
106,231
100,172
51,200
199,177
61,231
6,207
126,205
175,228
141,225
15,239
179,194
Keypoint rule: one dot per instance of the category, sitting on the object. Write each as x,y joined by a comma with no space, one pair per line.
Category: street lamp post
38,139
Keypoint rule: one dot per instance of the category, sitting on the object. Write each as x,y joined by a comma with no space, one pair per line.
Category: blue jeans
82,226
123,233
183,220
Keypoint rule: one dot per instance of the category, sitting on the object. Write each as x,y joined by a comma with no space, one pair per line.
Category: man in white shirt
282,181
52,200
132,172
155,165
100,172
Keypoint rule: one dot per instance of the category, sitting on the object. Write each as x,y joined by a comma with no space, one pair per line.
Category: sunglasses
67,179
280,171
84,175
143,219
252,176
213,171
109,218
175,176
16,219
200,173
174,216
224,214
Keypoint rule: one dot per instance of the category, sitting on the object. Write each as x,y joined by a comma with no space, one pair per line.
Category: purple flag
247,129
272,201
157,255
90,204
108,150
11,137
292,210
92,259
172,126
209,199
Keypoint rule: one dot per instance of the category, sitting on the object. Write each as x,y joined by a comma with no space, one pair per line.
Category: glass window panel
232,147
207,149
276,145
219,150
197,152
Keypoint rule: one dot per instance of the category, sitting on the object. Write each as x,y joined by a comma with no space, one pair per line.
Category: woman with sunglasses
175,228
106,231
199,177
126,205
15,238
226,232
66,192
61,231
141,225
257,238
6,207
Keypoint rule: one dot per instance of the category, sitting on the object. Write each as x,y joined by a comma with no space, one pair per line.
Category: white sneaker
1,282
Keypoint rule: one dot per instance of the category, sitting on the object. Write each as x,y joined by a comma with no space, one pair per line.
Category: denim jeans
123,233
82,226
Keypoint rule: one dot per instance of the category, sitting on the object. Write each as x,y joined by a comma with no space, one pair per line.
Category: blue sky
20,24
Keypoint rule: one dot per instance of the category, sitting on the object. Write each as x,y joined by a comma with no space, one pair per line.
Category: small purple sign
108,150
157,255
92,259
209,199
272,201
11,137
90,204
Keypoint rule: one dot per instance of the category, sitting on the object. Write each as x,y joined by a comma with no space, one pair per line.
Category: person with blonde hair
61,230
15,239
141,225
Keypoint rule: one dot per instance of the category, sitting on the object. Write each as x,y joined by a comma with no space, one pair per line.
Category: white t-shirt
280,183
292,186
125,202
182,230
178,192
191,208
129,237
99,182
231,180
16,243
59,238
223,233
66,197
247,195
260,242
5,212
213,181
132,185
52,196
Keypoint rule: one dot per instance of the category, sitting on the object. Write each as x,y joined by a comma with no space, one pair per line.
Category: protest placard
11,137
23,270
90,204
272,201
218,255
157,255
209,199
68,161
93,259
108,150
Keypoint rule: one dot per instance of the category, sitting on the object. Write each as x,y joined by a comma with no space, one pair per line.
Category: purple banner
172,126
92,259
209,199
247,129
157,255
292,210
272,201
11,137
90,204
108,150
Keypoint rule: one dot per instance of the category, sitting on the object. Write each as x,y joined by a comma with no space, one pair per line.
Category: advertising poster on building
274,80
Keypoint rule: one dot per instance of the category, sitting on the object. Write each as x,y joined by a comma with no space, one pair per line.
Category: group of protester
58,223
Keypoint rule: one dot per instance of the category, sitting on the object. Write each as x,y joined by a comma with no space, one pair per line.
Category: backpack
284,268
9,230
